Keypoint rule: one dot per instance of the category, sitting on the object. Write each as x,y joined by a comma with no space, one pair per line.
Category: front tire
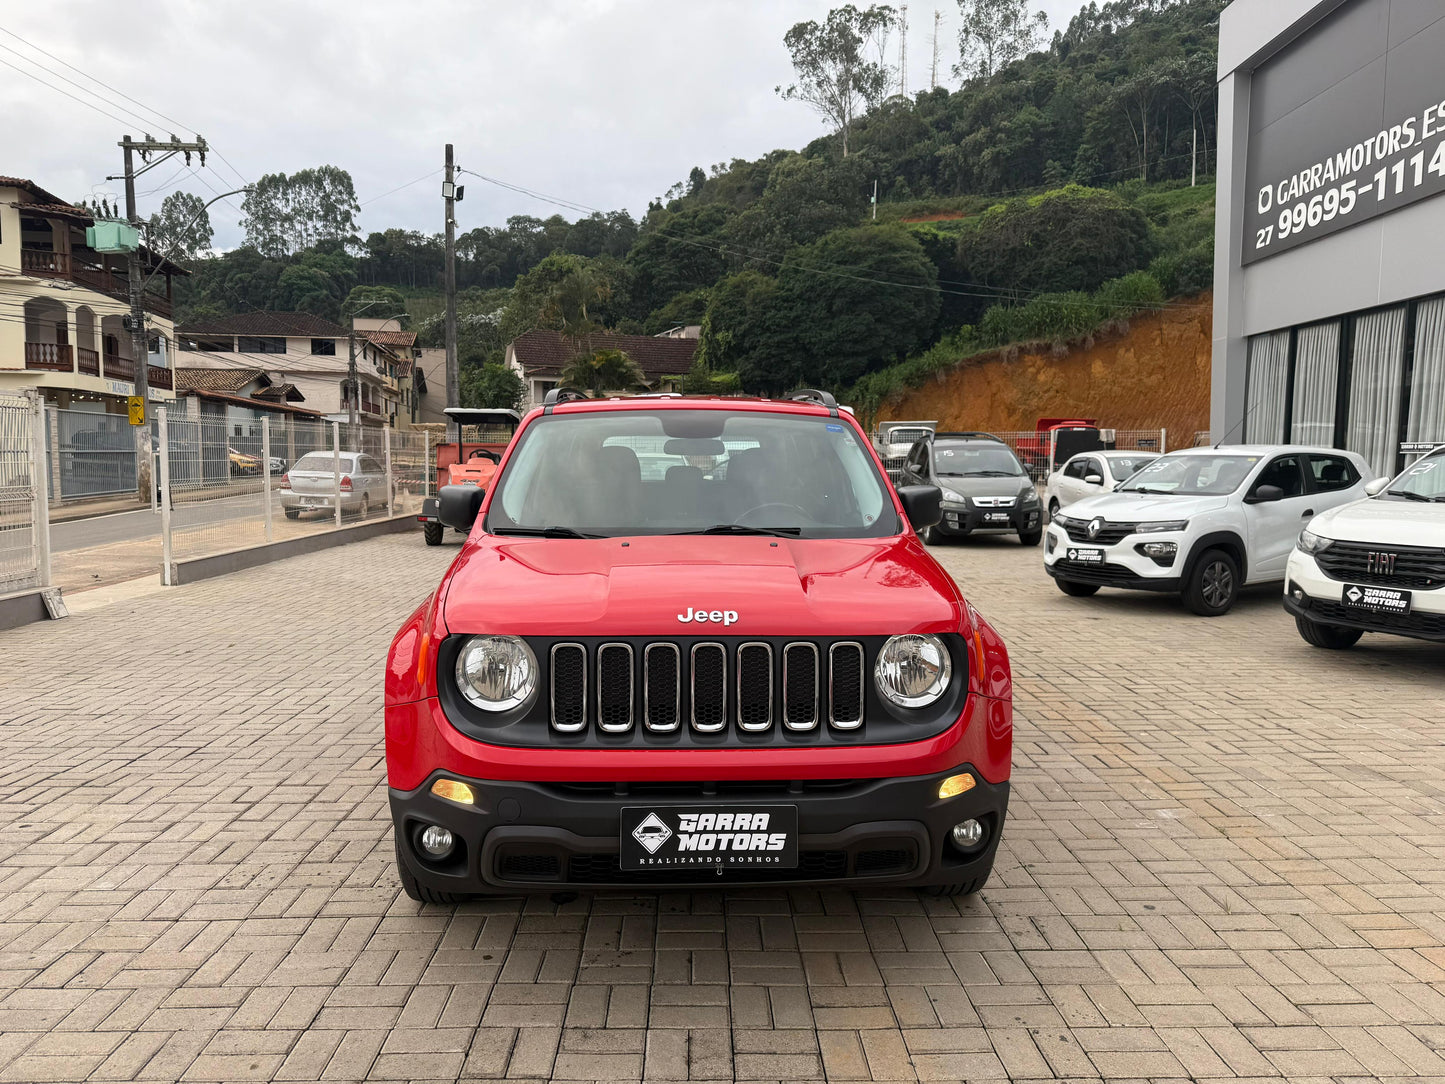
1212,586
1031,538
1053,509
293,513
930,536
1329,637
414,888
1075,589
432,532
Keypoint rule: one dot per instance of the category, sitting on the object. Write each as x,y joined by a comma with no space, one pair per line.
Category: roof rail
967,435
812,395
561,395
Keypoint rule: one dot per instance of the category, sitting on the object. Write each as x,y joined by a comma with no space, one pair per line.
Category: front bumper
1123,565
959,521
1310,594
530,837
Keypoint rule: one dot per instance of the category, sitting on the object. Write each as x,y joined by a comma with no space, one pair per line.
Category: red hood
638,587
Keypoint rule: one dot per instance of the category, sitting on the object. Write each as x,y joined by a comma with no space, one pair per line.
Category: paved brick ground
1226,858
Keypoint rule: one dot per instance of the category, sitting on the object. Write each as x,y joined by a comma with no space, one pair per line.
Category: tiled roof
546,353
299,325
391,338
217,379
280,392
35,190
259,404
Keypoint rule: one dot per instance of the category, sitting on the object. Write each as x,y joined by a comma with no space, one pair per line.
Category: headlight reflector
496,673
913,670
1029,496
1160,526
1314,543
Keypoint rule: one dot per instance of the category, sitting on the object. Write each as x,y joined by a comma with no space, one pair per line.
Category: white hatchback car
1201,522
1376,565
1089,474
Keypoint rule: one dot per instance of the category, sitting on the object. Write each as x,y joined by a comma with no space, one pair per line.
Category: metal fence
229,485
91,454
24,507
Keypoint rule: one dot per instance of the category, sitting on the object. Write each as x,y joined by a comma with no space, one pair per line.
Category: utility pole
933,78
136,285
875,200
903,50
449,191
353,392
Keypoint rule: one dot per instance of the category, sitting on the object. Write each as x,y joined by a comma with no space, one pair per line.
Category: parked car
243,462
277,465
1377,565
894,439
310,485
1201,522
1090,474
985,487
752,674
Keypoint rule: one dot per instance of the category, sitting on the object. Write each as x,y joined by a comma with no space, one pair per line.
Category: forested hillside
1043,196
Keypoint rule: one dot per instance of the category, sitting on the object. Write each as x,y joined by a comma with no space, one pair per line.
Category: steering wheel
773,504
482,453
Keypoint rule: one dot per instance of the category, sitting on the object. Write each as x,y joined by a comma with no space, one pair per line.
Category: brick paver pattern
1225,857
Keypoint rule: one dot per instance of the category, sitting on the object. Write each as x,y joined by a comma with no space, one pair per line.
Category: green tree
684,309
373,303
678,251
182,227
287,214
600,371
835,75
493,386
805,199
995,33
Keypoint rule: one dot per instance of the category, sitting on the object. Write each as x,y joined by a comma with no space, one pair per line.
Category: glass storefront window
1265,388
1316,382
1376,373
1427,383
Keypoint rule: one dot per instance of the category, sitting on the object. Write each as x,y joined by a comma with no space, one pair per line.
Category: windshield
632,472
975,460
1124,465
1422,480
1192,475
321,461
905,436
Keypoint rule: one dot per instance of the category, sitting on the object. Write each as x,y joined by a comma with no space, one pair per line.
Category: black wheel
365,509
960,888
1212,585
432,532
1053,509
1077,589
1331,637
1031,538
931,536
293,513
415,889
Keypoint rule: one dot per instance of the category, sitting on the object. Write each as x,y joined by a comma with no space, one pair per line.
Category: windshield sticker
946,452
834,428
1423,468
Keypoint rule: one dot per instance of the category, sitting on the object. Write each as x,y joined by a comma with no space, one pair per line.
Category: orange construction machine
462,462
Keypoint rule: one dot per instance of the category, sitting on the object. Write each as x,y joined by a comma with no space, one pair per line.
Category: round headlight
913,670
496,673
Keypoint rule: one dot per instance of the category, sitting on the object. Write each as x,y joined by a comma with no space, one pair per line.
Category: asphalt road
132,526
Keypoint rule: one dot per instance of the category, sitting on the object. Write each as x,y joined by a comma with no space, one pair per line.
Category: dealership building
1329,318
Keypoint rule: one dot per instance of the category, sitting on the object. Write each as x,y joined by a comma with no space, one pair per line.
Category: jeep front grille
663,686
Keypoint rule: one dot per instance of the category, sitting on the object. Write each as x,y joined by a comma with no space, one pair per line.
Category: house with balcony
62,307
308,352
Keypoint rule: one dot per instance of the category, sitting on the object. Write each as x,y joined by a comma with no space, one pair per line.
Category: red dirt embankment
1154,375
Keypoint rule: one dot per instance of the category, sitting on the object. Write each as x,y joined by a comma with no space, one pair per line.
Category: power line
60,90
72,82
399,187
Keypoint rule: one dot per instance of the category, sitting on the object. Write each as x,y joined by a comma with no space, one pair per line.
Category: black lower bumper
958,522
531,837
1112,576
1419,625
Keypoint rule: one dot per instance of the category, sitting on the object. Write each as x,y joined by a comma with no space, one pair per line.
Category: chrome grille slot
755,686
800,686
845,686
709,687
661,687
569,687
614,687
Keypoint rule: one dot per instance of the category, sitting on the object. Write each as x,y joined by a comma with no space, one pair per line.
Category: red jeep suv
694,642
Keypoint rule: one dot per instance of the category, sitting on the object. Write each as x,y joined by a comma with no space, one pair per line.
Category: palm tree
600,371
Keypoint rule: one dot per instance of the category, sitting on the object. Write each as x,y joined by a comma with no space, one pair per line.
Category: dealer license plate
709,837
1083,555
310,501
1376,600
995,517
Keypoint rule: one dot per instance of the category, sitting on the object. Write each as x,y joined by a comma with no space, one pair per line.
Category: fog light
1161,549
437,841
955,785
454,791
1051,543
968,834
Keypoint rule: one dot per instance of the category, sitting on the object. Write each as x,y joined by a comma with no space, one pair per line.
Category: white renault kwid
1376,565
1201,522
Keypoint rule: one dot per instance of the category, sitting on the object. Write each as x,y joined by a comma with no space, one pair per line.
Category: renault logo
1380,564
1095,526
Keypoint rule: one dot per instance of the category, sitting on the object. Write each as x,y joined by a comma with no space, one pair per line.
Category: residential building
428,386
1329,298
62,305
308,352
539,357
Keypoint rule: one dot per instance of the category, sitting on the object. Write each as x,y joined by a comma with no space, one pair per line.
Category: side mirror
1375,488
923,505
1265,495
1094,479
457,506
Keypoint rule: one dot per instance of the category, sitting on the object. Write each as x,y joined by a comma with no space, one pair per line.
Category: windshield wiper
544,532
739,528
1411,496
1146,489
989,474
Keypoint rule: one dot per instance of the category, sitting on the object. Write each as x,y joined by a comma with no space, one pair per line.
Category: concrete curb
219,564
22,607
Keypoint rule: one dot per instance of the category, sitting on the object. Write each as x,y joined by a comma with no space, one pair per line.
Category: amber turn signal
955,785
453,791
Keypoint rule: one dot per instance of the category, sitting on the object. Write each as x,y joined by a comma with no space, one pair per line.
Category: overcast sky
602,102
